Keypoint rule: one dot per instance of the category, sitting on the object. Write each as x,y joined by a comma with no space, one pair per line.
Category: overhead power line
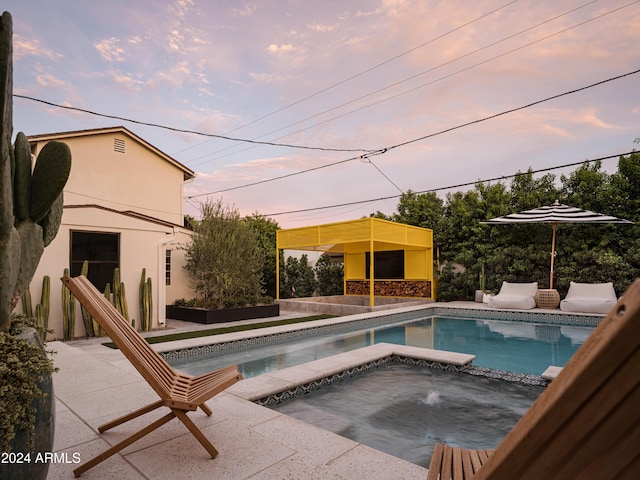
424,137
512,110
450,187
363,72
374,67
413,77
193,132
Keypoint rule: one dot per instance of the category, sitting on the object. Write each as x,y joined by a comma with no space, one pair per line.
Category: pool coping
206,345
311,375
272,388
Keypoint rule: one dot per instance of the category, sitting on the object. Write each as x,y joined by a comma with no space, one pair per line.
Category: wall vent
118,145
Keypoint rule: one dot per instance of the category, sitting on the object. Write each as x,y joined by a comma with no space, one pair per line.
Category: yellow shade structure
409,248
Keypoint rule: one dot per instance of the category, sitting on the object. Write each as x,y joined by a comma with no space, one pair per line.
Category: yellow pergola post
372,301
277,271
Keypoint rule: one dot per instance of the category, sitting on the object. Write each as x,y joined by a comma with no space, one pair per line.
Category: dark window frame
101,249
167,266
387,265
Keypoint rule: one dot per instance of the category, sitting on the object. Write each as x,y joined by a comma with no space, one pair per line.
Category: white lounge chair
589,298
518,296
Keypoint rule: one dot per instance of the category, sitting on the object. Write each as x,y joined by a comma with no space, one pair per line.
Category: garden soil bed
202,315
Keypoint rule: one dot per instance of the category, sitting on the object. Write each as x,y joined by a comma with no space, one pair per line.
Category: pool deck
95,384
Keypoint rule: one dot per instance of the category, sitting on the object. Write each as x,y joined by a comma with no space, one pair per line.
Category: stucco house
123,207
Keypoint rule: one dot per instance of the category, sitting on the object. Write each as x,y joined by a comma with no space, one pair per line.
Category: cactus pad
51,222
21,177
32,247
49,178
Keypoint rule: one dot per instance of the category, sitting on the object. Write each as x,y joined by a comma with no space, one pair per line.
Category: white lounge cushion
589,298
519,296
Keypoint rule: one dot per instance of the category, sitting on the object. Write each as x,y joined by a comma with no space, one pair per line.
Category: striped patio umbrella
556,214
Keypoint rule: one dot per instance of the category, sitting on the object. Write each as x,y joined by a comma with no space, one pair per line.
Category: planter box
202,315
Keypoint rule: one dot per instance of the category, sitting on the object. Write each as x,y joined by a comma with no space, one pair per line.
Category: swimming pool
522,347
405,411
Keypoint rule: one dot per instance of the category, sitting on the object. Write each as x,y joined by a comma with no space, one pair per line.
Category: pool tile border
256,339
524,316
372,321
299,390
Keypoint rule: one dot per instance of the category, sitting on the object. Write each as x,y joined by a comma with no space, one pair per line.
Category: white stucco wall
114,172
138,179
180,280
141,246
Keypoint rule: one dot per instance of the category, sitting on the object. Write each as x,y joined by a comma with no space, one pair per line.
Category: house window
118,145
101,250
167,263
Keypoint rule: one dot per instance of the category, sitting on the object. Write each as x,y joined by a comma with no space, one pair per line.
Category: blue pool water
503,345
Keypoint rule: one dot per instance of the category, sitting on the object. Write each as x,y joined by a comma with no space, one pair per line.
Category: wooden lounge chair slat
181,393
586,424
447,463
467,464
436,462
476,461
457,471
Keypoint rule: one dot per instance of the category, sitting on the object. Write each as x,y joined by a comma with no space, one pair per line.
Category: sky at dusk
286,107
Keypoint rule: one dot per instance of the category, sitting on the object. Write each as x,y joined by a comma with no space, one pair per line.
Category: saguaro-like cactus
87,319
41,312
119,294
68,311
30,201
42,309
27,307
146,301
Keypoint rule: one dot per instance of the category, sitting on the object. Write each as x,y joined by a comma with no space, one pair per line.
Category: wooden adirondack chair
585,425
180,393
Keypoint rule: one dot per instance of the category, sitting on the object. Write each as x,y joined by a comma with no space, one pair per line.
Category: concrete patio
95,384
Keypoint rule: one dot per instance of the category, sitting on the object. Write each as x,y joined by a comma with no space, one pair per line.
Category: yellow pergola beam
326,237
363,235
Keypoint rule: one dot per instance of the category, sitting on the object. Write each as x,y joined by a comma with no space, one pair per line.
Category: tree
299,280
265,230
224,258
520,252
423,210
330,276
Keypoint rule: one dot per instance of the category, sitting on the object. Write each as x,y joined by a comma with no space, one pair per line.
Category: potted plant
224,261
30,214
481,295
196,310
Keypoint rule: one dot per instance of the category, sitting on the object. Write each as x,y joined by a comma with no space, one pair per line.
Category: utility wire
193,132
506,112
395,84
368,160
450,187
370,69
359,157
363,72
431,135
271,143
256,141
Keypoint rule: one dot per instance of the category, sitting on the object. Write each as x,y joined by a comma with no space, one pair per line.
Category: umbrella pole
554,227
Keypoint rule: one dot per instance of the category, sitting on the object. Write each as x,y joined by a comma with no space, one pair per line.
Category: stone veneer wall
391,288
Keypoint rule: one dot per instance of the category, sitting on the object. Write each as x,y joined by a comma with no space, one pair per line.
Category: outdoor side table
547,298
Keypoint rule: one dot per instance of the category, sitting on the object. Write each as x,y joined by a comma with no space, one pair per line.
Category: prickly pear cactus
30,202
